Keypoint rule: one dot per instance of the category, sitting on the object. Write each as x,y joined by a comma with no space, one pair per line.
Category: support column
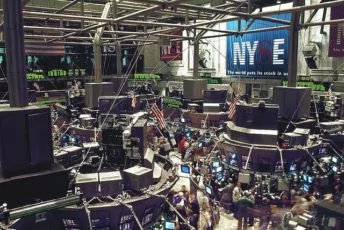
98,78
119,59
15,53
293,45
196,59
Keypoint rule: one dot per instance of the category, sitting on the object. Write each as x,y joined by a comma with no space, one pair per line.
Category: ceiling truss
144,22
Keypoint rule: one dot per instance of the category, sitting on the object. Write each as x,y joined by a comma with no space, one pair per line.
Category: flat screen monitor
306,187
219,169
185,169
215,164
310,179
219,177
292,167
305,178
334,168
169,225
334,159
209,190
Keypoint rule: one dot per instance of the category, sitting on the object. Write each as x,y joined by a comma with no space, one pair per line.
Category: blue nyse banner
259,54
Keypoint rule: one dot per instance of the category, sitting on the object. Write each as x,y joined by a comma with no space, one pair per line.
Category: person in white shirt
237,192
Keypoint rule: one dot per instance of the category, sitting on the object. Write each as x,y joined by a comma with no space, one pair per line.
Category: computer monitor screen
216,164
219,176
219,169
305,178
208,190
334,159
185,169
169,225
292,167
310,179
306,187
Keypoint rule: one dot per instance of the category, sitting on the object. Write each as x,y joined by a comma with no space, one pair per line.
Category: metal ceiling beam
272,12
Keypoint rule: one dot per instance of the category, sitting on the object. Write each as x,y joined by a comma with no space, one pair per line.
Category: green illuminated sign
67,73
212,80
146,76
170,102
312,85
35,75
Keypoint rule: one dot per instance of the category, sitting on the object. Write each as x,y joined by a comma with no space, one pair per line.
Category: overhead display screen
258,54
71,61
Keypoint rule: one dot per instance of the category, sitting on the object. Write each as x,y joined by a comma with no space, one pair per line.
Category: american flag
158,114
232,108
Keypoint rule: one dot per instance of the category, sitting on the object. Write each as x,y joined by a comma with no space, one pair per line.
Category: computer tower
25,140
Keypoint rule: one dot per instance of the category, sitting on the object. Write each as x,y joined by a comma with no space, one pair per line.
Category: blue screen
185,169
216,164
169,225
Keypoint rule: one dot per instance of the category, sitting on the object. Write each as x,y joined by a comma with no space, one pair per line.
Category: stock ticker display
70,61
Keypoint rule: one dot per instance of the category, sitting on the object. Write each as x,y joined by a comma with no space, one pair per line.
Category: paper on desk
332,222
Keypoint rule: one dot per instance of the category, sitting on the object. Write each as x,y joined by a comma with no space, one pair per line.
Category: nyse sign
240,53
258,55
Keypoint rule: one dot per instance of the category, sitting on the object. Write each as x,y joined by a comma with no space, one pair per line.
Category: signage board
313,85
336,43
146,76
170,102
259,54
174,51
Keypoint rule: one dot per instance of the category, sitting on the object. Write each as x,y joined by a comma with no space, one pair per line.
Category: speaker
137,178
25,140
294,102
110,183
139,131
94,90
311,62
193,88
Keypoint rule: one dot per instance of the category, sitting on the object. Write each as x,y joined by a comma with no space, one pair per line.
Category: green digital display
67,73
35,75
146,76
212,80
171,102
312,85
